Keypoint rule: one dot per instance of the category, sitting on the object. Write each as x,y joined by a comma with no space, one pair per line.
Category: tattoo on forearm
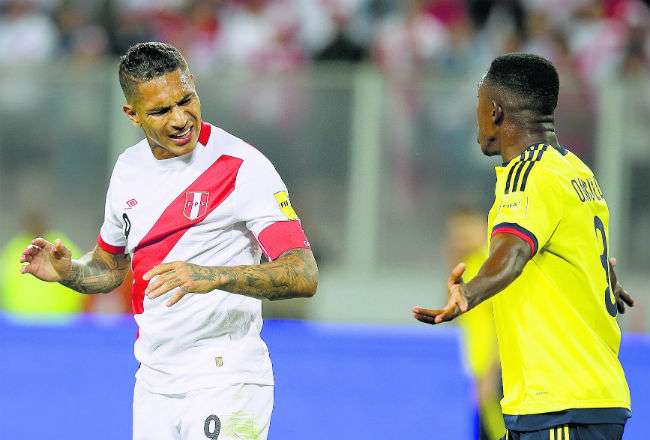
94,273
292,275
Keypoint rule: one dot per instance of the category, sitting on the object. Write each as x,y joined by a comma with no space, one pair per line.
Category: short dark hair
146,61
531,81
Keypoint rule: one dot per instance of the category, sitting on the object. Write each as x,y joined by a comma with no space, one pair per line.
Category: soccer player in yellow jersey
558,297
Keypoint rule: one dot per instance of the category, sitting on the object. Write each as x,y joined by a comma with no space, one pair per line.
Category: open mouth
184,137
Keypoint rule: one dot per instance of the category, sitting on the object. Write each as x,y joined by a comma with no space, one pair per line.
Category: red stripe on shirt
204,134
518,233
280,237
115,250
219,180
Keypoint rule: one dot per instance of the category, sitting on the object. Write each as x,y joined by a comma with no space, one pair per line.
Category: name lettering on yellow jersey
587,189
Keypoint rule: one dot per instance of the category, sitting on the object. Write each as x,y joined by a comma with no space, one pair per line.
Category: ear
497,113
131,114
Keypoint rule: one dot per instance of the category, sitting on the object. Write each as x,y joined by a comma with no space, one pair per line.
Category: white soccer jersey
221,205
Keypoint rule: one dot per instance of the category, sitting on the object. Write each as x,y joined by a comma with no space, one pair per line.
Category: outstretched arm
96,272
508,256
292,275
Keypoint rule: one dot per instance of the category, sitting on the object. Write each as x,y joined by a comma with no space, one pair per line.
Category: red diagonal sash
219,180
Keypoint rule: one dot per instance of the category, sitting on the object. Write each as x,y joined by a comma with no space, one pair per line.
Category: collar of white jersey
204,134
180,162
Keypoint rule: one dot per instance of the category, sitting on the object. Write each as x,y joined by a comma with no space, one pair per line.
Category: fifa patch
513,204
285,205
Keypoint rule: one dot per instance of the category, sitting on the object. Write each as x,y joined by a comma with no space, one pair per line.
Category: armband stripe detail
281,237
519,231
111,249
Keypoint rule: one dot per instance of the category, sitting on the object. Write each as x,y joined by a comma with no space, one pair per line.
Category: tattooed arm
292,275
96,272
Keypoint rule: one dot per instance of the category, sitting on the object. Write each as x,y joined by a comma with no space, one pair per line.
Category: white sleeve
262,202
111,235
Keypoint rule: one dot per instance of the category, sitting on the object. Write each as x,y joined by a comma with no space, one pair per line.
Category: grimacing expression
168,109
485,119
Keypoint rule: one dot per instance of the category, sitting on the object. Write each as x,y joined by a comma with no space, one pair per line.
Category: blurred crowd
427,132
586,38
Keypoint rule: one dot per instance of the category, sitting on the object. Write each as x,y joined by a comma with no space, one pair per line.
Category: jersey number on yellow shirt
604,260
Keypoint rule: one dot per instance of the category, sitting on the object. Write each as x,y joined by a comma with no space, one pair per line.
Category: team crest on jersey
196,204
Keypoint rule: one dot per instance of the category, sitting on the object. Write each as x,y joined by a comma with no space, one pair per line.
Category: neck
537,132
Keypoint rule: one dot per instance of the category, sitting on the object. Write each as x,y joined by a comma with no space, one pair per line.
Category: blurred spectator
125,25
27,33
407,42
262,35
80,37
466,236
342,46
202,35
261,41
595,41
632,73
25,297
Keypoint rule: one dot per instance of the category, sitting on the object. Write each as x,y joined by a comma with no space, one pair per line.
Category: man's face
168,109
485,119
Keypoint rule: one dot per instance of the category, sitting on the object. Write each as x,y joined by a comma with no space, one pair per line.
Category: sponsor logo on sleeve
513,204
282,198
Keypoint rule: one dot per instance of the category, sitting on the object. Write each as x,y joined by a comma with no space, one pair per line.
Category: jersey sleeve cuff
281,237
518,231
115,250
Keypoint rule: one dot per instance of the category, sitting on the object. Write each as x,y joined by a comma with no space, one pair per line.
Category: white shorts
233,412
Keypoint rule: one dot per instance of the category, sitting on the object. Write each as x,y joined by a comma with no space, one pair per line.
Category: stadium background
366,107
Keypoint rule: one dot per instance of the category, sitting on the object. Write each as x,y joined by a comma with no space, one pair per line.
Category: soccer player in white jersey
191,209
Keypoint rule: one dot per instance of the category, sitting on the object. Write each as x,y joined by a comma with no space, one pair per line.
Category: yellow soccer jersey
556,323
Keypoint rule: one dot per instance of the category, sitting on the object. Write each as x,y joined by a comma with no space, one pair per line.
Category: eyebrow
165,108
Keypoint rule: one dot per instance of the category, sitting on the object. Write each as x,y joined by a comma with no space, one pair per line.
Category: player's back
556,323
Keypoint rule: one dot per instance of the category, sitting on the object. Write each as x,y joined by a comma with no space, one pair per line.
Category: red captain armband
115,250
280,237
521,232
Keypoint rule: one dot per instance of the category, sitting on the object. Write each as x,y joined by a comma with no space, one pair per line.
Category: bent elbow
311,278
312,282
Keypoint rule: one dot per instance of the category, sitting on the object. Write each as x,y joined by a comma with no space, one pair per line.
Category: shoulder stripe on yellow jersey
520,167
527,158
551,434
530,167
512,170
567,435
516,166
516,169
